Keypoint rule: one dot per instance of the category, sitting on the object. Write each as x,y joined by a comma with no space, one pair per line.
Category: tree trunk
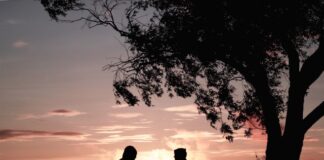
273,150
287,148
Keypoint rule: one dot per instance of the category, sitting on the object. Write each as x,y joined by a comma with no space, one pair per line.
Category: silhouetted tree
252,61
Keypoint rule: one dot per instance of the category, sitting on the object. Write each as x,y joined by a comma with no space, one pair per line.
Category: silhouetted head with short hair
180,154
129,153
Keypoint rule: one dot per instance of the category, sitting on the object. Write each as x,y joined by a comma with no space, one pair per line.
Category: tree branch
259,82
313,117
296,97
313,66
293,57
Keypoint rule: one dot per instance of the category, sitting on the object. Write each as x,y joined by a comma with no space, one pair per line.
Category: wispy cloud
311,139
65,112
181,119
120,106
12,21
186,111
210,136
313,149
126,115
118,128
20,44
238,152
57,112
188,115
9,134
186,108
143,121
134,138
184,134
109,132
316,130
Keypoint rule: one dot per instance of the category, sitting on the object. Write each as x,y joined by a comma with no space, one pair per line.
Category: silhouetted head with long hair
180,154
129,153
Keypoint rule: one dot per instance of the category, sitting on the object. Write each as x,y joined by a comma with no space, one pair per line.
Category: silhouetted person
180,154
129,153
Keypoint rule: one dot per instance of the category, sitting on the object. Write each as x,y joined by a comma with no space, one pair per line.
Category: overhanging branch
313,117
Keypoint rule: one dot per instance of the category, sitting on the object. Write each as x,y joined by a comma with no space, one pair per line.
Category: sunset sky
57,103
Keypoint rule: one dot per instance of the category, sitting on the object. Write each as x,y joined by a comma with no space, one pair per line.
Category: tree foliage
242,61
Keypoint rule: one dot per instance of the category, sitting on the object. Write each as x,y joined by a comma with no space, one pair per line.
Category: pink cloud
192,108
57,112
65,112
316,130
20,44
120,106
143,121
186,111
126,115
311,139
184,134
140,138
118,128
61,111
9,134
